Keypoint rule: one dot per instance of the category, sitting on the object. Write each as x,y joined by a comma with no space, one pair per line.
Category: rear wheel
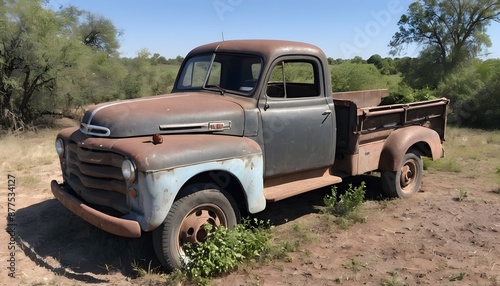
185,224
406,181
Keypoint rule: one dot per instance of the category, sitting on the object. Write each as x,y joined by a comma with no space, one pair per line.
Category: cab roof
267,49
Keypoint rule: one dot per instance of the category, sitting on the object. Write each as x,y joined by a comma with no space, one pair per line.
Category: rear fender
401,140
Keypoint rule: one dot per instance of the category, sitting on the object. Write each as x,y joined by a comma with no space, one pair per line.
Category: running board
283,187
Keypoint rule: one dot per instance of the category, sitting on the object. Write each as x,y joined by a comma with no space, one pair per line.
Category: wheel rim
409,173
192,229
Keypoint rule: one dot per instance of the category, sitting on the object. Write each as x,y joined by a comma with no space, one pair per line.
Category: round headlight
128,171
60,147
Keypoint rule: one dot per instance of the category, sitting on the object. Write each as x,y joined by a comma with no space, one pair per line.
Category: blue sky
343,29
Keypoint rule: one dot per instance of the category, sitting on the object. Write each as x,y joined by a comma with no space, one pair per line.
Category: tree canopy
451,30
33,50
58,61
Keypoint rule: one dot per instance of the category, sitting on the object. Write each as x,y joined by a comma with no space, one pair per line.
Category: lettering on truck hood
165,114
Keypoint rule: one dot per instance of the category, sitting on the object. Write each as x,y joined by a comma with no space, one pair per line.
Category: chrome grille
96,177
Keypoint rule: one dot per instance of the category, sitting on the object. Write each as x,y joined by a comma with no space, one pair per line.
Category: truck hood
165,114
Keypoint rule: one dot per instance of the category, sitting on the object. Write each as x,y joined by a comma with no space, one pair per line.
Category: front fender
399,141
165,168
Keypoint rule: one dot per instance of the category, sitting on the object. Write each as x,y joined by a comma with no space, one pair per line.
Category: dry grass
22,152
28,157
466,149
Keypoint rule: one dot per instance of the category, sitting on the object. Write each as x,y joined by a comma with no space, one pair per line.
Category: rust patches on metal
398,143
282,187
114,225
363,98
157,139
369,155
268,49
168,114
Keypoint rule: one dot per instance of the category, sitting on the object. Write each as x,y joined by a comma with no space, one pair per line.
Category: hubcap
408,173
193,229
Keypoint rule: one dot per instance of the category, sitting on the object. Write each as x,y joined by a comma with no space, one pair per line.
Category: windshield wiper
220,89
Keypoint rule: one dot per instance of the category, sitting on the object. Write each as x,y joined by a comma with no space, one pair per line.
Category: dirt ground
447,234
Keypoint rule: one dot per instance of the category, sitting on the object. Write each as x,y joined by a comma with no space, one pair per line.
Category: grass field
25,155
465,149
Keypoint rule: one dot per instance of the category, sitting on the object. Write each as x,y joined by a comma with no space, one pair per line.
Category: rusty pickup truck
248,123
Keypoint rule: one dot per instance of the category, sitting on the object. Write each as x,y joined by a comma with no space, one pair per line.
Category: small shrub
462,195
225,249
393,281
458,277
302,234
354,265
343,223
343,205
346,206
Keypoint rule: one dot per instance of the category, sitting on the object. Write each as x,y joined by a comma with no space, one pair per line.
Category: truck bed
362,129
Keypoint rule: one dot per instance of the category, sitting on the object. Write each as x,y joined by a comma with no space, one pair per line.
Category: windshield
221,72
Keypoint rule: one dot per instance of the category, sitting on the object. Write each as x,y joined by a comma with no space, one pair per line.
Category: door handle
327,112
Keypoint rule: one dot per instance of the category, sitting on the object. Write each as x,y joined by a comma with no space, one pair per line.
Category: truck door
297,118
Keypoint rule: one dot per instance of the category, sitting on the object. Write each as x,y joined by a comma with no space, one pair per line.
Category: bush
355,76
474,91
225,249
405,94
346,204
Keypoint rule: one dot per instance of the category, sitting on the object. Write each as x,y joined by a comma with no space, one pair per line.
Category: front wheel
406,181
185,224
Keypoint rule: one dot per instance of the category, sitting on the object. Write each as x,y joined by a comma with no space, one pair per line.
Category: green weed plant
225,249
346,207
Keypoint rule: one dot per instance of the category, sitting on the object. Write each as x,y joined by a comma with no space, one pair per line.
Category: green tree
424,71
143,54
45,62
95,31
451,30
33,50
358,60
351,76
386,66
376,60
99,33
474,91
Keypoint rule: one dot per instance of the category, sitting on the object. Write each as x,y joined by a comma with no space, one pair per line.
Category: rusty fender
163,169
399,141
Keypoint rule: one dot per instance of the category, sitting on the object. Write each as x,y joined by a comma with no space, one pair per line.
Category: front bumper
111,224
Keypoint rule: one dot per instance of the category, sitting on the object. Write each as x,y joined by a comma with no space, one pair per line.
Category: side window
294,79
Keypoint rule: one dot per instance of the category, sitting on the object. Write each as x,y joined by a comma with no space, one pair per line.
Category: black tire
184,224
406,181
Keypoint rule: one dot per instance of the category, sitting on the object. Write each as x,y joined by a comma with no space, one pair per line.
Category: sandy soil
430,239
